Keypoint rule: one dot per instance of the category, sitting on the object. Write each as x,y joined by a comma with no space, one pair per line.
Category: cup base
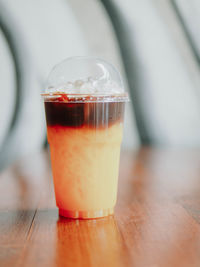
85,214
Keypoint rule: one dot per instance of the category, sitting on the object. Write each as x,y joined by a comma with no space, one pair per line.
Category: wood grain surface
156,221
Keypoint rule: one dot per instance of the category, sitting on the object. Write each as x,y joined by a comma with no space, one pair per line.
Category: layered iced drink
84,133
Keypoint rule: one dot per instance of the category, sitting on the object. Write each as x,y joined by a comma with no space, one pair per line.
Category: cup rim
84,98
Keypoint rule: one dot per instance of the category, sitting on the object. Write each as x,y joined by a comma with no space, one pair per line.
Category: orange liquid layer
85,166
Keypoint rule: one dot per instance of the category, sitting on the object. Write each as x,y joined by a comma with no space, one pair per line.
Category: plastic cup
84,115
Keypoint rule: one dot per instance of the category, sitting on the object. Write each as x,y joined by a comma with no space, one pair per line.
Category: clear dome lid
85,76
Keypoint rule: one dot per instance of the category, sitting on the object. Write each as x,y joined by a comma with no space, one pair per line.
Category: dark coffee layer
95,115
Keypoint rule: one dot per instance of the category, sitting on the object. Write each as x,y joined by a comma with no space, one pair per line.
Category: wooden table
156,222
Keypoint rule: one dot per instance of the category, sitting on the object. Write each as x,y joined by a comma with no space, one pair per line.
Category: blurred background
155,44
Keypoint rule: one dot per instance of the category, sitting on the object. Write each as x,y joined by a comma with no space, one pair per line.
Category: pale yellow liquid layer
85,166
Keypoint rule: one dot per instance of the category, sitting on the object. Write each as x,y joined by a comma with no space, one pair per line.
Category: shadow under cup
85,140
